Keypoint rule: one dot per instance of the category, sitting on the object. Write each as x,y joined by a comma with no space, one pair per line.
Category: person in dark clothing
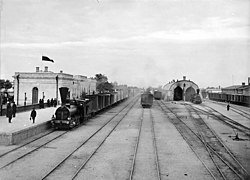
51,102
9,112
228,107
48,103
33,115
55,102
7,108
14,109
40,103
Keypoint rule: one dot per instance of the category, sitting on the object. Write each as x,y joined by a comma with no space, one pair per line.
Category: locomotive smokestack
63,93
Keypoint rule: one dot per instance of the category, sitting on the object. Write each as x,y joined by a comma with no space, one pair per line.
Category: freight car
74,112
231,98
146,100
157,95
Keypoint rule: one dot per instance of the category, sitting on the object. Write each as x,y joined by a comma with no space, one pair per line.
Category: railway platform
21,127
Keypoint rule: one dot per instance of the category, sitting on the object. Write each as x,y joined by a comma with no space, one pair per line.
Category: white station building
30,87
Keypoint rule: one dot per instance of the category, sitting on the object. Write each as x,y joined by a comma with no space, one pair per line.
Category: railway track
210,139
240,112
8,159
235,109
53,172
22,152
225,163
230,122
146,115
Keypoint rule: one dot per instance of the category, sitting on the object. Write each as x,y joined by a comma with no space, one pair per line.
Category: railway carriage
231,98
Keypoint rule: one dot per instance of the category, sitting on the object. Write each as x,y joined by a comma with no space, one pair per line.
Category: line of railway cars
74,112
231,98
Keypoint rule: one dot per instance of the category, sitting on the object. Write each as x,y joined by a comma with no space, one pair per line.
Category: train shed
180,90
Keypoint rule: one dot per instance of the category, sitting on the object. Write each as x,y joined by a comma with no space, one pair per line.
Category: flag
45,58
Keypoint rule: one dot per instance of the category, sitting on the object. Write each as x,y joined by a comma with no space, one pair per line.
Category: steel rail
224,146
155,147
84,142
211,148
84,164
19,147
229,122
35,149
207,148
190,146
226,118
136,148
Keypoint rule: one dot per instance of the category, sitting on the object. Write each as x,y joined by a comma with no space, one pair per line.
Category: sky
135,42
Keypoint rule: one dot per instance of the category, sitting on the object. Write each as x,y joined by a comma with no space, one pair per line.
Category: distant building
29,87
242,89
179,90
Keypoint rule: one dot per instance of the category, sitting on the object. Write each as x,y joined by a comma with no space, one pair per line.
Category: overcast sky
135,42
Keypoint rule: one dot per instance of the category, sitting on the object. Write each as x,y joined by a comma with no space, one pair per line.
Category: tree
101,78
102,83
6,84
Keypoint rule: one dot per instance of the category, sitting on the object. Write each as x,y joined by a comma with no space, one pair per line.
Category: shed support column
57,89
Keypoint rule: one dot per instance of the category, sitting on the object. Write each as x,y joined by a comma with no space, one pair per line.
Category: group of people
11,110
50,103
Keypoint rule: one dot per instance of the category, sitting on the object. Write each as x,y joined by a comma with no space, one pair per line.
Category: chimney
63,93
37,69
243,84
46,69
184,77
248,80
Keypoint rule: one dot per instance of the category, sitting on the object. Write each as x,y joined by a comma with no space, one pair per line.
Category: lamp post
57,88
25,99
17,78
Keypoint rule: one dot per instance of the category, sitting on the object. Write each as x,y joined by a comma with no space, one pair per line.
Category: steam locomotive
74,112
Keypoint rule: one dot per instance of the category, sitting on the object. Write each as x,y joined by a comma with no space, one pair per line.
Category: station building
30,87
179,90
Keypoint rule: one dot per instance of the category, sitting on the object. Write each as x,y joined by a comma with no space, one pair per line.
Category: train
146,100
157,95
74,112
238,99
196,99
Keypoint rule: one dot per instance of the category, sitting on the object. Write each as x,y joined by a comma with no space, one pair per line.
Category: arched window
35,95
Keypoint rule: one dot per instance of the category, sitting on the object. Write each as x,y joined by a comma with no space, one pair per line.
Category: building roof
236,87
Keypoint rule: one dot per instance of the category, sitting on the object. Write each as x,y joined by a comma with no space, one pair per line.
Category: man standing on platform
33,115
228,107
9,112
14,109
